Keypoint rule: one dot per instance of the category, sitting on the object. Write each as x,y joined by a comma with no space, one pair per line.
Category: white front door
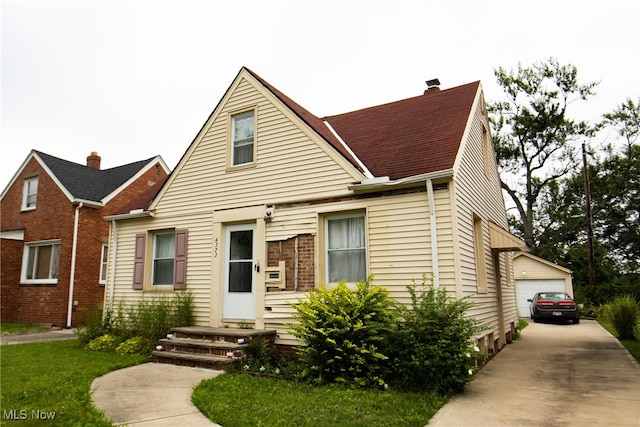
239,296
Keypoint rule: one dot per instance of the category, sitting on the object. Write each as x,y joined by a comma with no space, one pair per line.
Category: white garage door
527,288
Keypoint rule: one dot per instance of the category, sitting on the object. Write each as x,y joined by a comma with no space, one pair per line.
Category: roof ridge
386,104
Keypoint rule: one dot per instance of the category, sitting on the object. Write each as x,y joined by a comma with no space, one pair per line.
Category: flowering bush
133,345
105,342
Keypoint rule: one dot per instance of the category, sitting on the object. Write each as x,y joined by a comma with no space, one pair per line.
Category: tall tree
625,120
533,134
615,197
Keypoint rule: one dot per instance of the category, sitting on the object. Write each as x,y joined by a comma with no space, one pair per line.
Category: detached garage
535,274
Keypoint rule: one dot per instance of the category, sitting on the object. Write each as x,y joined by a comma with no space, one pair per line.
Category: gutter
434,235
72,276
113,249
378,184
88,203
137,213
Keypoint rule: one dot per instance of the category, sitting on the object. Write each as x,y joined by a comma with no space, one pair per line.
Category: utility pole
587,192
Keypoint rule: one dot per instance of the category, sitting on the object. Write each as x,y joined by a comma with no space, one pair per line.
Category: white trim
72,276
367,172
104,265
26,194
12,235
416,179
130,215
142,171
339,216
25,259
435,264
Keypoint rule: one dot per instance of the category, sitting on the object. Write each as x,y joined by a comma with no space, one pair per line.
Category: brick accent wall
285,251
53,218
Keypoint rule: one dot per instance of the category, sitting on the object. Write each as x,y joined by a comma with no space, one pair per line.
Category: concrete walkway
151,394
554,375
29,337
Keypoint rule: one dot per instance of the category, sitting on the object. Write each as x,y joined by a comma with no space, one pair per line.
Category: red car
553,305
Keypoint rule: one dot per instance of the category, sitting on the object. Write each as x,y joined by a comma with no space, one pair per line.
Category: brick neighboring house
53,234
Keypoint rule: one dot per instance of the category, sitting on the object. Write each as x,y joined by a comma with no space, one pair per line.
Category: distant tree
625,119
615,200
533,134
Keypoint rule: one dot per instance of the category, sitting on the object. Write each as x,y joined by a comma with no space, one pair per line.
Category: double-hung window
346,256
242,138
167,261
103,264
164,250
40,262
30,193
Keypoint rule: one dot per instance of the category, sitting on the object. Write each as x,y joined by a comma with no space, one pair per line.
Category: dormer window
30,193
242,139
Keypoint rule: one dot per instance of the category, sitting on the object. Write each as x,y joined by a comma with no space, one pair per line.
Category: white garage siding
527,288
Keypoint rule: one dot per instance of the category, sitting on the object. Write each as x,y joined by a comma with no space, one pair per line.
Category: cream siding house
270,200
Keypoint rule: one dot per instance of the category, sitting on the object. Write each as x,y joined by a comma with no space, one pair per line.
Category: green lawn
244,400
632,345
52,380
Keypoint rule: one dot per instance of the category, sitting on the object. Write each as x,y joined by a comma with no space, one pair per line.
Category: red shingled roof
404,138
409,137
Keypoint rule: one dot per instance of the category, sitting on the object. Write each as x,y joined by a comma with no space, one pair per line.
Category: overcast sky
134,79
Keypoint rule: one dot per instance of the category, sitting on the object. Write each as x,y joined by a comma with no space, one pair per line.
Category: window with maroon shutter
180,261
138,263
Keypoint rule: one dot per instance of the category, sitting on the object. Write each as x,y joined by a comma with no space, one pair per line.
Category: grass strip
633,346
243,400
12,328
51,381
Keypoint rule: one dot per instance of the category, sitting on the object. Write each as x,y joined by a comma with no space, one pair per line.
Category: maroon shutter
180,260
138,261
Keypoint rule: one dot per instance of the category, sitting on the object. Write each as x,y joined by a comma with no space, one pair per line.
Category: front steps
205,347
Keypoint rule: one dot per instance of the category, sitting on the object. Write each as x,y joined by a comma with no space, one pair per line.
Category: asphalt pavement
553,375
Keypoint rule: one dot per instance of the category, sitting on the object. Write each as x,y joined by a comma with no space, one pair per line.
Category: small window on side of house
40,262
486,151
479,252
242,139
103,264
30,193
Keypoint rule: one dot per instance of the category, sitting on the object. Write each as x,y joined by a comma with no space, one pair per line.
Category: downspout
72,275
113,248
434,235
295,271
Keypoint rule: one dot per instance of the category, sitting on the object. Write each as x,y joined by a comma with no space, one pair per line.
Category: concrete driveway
553,375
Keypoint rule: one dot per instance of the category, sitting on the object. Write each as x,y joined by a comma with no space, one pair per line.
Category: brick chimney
93,160
433,85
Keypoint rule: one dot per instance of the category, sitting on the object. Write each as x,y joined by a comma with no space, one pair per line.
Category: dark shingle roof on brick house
87,183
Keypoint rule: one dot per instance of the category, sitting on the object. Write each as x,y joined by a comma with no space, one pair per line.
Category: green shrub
432,347
134,345
622,312
341,333
154,315
96,326
105,342
148,319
